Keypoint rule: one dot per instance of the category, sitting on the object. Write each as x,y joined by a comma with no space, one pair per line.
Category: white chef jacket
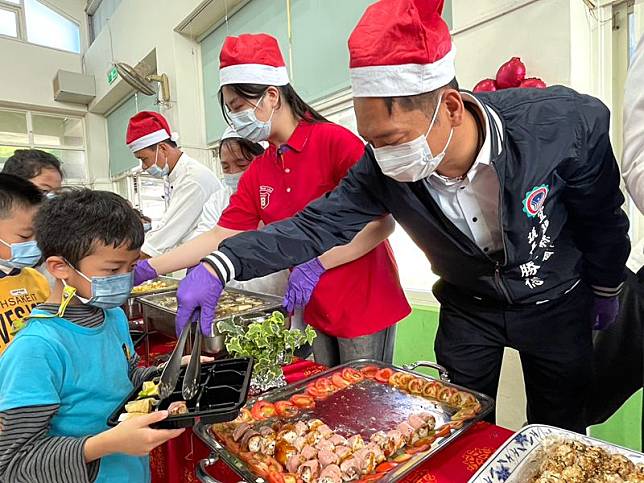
472,203
633,157
190,185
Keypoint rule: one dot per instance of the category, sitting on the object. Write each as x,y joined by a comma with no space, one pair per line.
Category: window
62,136
37,23
100,12
8,22
415,271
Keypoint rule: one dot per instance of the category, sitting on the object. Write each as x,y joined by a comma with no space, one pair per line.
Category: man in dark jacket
519,212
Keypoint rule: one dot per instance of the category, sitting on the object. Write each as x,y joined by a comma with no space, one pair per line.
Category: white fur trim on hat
148,140
253,74
402,80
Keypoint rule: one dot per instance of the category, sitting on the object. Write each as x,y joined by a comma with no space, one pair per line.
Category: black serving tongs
170,374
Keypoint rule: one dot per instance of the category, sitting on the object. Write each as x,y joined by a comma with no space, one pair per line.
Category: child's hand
133,437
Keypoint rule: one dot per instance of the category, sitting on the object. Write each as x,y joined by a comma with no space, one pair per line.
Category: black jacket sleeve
593,200
331,220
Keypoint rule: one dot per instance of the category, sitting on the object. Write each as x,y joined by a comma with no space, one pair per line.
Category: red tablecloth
176,460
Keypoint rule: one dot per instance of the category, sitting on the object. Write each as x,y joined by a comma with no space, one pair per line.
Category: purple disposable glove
604,313
199,291
301,284
143,272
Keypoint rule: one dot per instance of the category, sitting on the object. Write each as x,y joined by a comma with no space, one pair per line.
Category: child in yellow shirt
21,287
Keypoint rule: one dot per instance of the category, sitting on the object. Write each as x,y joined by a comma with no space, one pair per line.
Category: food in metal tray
575,462
153,286
279,443
178,407
229,303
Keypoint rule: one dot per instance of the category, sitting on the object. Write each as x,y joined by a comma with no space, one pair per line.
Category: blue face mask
155,171
25,254
147,227
108,292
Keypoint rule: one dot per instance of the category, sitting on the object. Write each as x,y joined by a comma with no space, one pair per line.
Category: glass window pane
73,163
8,25
13,128
57,131
6,152
48,28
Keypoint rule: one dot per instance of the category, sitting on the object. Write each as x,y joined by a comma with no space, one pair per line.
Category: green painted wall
415,341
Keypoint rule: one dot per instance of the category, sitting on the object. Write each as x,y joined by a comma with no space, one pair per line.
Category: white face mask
154,170
413,160
231,180
249,127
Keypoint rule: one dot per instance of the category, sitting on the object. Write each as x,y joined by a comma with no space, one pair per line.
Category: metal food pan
363,408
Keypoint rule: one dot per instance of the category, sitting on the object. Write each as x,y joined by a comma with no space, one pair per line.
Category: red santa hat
401,48
252,59
146,129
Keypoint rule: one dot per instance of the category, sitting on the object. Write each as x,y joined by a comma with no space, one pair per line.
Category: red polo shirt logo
265,196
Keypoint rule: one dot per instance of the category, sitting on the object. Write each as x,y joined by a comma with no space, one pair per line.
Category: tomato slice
383,375
263,410
274,477
443,431
303,401
325,385
369,372
385,467
286,409
401,458
339,382
315,393
352,375
418,449
373,477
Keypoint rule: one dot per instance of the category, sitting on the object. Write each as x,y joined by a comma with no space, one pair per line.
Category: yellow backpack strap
68,295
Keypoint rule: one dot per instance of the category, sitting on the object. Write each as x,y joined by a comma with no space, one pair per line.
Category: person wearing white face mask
188,183
513,196
351,295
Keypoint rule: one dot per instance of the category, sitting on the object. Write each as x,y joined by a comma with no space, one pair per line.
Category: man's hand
143,272
301,284
199,291
604,312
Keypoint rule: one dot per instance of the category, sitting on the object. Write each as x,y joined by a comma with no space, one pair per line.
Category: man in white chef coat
188,183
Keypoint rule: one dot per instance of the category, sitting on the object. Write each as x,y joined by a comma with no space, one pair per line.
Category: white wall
138,28
28,69
487,33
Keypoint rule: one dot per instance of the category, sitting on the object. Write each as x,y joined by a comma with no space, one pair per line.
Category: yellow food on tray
152,286
143,406
149,389
229,303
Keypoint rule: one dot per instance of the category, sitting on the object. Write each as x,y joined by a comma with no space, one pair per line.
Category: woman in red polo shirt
352,294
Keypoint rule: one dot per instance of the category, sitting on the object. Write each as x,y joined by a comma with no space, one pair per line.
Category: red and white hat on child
252,59
146,129
401,48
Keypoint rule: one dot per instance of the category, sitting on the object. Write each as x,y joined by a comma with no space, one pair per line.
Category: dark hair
419,101
168,141
249,149
71,224
17,191
301,110
29,163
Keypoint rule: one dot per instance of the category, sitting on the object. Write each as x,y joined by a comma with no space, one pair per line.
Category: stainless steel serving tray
133,308
162,318
363,408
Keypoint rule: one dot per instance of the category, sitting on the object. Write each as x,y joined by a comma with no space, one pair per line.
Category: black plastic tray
222,393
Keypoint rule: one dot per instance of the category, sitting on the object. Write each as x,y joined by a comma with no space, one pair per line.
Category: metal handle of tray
444,375
202,474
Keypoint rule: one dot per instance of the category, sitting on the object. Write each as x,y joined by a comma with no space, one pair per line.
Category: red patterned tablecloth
176,460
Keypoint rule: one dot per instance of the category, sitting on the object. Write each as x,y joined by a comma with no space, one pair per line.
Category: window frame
32,145
21,27
21,24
